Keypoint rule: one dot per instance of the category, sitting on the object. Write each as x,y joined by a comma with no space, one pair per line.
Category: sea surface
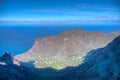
19,39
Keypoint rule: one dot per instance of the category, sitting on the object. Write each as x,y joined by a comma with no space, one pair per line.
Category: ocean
19,39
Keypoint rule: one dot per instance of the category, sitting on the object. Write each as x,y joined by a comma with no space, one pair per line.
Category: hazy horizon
20,39
22,21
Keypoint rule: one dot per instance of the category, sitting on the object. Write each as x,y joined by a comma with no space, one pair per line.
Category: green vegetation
73,55
57,64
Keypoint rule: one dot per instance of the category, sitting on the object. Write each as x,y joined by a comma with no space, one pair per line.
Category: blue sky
64,11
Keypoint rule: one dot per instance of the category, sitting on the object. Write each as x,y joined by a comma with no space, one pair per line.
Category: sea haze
19,39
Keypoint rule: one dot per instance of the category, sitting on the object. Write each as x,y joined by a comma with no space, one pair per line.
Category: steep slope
10,69
7,58
103,63
68,49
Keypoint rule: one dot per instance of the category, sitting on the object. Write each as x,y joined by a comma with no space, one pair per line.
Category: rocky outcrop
8,59
68,49
12,69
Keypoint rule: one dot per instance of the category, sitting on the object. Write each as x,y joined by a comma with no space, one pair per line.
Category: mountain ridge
70,46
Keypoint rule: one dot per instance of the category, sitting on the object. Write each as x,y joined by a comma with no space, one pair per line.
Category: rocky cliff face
67,49
103,63
8,59
11,69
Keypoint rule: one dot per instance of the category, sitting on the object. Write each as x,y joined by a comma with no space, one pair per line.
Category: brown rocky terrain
67,49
